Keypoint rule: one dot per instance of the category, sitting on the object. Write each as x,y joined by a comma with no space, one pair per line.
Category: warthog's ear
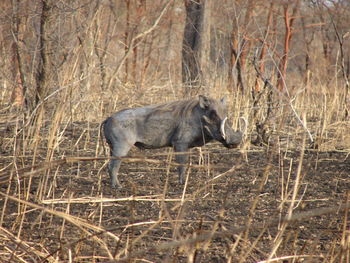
203,102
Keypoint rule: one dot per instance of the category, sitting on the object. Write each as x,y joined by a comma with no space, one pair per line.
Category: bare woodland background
117,52
283,64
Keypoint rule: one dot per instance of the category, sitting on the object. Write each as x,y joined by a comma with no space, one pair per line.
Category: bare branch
289,101
133,40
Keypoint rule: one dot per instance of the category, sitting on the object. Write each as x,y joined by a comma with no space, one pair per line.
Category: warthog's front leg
181,159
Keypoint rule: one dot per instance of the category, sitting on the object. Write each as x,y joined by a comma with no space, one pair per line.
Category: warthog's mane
180,108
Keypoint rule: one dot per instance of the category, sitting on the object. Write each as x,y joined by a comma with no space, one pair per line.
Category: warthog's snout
221,130
233,139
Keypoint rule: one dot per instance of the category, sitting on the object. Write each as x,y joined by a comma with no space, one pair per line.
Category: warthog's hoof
116,185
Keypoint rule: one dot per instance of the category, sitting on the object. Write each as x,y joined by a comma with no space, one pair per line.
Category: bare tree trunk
191,46
233,60
42,73
264,47
126,40
308,38
19,90
245,46
17,96
340,39
101,49
42,76
288,20
140,7
147,54
239,49
326,39
205,44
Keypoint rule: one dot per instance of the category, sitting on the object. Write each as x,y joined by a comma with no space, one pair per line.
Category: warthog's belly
141,145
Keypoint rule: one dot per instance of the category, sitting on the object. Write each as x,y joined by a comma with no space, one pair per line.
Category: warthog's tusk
222,128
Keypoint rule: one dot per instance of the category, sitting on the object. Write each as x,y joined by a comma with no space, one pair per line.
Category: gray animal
180,124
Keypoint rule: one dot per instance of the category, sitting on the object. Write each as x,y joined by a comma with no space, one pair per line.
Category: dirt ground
224,193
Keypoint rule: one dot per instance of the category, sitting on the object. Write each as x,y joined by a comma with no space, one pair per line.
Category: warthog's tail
102,135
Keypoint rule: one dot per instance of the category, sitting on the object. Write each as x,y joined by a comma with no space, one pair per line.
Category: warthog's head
216,124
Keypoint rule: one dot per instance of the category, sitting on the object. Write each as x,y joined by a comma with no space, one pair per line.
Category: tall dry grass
254,204
43,220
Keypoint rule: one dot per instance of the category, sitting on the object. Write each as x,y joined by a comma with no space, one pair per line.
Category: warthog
180,124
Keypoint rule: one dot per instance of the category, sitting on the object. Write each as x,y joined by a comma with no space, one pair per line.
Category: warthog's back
150,126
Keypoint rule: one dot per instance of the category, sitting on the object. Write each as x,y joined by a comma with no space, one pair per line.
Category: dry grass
253,205
286,201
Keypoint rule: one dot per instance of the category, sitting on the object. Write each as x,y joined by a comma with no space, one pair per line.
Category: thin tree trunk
147,54
307,41
233,58
191,68
140,7
42,73
340,39
19,90
245,42
239,50
42,76
126,40
288,20
101,49
264,46
205,44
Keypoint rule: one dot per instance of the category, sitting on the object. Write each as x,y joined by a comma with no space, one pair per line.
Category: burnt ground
225,203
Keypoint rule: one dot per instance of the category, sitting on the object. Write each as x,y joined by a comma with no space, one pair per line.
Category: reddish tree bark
245,46
17,97
288,22
135,12
264,45
18,93
240,49
140,9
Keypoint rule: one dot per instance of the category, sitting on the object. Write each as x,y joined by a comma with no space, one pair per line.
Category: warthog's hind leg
114,164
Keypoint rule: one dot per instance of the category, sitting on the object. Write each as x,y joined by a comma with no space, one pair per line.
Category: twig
290,257
85,200
289,101
342,64
24,246
140,35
